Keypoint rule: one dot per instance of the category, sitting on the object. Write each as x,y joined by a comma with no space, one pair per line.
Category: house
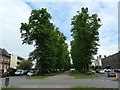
15,61
4,61
98,61
113,61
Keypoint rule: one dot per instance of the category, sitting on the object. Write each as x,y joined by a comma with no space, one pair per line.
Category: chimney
105,56
99,56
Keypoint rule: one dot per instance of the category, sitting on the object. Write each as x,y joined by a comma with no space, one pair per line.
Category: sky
14,12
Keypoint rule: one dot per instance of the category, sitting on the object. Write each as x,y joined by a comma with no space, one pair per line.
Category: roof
3,52
116,54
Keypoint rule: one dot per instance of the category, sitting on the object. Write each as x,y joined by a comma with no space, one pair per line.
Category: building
93,63
15,61
98,61
4,61
34,63
113,61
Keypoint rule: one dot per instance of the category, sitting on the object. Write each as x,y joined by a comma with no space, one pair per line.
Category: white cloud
71,0
13,13
107,47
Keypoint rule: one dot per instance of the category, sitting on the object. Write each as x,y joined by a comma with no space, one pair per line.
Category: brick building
4,61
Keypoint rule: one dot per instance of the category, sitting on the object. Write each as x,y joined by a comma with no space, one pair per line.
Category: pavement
63,80
62,76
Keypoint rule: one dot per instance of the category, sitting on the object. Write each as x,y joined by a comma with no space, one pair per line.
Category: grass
8,88
52,74
91,88
77,74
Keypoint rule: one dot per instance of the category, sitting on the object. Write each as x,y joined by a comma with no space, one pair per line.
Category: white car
108,70
102,71
32,72
72,69
19,72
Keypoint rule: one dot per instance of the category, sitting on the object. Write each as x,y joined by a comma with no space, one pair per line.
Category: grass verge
77,74
91,88
8,88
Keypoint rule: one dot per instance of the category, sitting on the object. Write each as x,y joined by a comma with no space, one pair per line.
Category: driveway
62,76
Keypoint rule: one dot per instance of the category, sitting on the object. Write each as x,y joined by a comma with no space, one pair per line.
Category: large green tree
48,41
85,38
25,65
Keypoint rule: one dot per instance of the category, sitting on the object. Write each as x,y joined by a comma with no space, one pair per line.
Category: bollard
116,75
7,81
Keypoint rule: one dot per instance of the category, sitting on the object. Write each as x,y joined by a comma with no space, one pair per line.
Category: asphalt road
63,82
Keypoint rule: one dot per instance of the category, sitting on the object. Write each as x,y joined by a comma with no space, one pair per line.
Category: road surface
63,80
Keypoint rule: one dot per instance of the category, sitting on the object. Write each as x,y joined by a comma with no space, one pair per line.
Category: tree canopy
51,51
25,65
85,38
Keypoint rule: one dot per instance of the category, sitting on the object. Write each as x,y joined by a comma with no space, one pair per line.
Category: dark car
98,71
111,74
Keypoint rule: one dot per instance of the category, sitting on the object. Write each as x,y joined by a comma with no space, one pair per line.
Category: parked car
25,72
97,70
111,74
19,72
72,69
117,70
32,72
108,70
102,71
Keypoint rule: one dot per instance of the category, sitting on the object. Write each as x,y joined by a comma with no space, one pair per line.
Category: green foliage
25,65
50,51
91,88
77,74
85,39
36,77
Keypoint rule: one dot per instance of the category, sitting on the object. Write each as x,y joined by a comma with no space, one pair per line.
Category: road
62,81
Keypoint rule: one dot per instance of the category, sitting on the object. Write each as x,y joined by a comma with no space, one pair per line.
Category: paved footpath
62,76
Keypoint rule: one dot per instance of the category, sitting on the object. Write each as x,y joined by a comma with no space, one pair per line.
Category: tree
25,65
38,31
48,41
85,39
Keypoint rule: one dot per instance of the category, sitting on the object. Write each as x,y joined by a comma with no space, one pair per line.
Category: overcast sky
14,12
